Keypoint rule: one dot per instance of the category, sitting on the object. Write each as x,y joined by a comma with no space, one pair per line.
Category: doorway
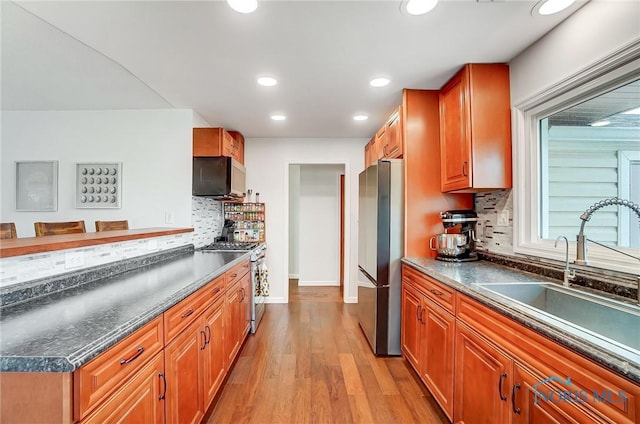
316,226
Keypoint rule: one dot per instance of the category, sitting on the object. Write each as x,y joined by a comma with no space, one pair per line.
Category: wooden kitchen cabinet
482,380
218,142
139,400
238,280
475,129
428,335
214,368
393,141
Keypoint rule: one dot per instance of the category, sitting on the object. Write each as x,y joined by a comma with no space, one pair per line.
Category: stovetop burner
230,245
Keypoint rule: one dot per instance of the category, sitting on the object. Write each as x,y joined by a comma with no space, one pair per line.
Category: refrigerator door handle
370,278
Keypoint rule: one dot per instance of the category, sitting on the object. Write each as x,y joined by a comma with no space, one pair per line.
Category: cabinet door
368,154
213,364
393,147
482,380
410,328
455,138
379,144
438,338
232,316
527,408
183,372
140,400
245,319
207,142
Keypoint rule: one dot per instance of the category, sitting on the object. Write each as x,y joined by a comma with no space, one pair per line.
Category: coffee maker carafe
457,243
227,231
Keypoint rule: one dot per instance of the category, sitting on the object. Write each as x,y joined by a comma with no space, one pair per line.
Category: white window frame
625,160
615,70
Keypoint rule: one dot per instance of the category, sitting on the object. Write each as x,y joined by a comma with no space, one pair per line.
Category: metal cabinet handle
513,398
418,312
216,290
465,165
164,380
436,292
502,377
188,313
204,343
422,312
135,355
207,339
234,275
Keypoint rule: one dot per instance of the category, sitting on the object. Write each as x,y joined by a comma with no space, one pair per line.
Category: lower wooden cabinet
503,372
482,380
427,341
238,316
214,368
140,400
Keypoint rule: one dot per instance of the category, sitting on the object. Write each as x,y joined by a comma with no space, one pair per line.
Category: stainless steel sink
605,317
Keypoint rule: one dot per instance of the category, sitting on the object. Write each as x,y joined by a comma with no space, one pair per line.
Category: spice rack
250,220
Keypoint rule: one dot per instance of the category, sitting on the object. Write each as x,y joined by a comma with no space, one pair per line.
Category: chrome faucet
581,252
569,274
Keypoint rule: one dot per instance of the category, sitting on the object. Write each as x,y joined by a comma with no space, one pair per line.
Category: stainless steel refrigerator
380,248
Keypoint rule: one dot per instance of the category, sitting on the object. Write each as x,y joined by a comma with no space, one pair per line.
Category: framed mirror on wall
37,186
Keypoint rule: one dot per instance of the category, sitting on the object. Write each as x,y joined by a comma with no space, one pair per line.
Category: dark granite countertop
62,331
464,278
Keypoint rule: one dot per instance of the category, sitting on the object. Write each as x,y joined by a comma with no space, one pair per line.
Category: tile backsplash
494,238
206,219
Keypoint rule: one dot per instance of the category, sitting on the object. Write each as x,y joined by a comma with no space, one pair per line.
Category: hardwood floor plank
310,363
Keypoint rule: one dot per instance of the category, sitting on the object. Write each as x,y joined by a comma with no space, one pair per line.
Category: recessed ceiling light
379,82
549,7
243,6
635,111
278,117
420,7
600,123
360,117
267,81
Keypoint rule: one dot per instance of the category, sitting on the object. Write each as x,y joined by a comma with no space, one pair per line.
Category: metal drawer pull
135,355
234,275
216,290
513,398
204,336
418,314
189,313
164,380
502,377
208,330
436,292
422,312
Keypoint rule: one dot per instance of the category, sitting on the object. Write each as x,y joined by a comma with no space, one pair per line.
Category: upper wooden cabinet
393,140
218,142
475,129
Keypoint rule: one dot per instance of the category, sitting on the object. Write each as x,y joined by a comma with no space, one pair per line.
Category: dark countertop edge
90,351
604,357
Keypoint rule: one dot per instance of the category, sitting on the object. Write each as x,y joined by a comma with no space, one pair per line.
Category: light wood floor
310,363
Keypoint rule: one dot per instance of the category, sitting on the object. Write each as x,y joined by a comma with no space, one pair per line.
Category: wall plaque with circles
98,185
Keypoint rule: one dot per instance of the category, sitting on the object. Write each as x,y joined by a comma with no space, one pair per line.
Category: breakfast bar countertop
62,331
465,277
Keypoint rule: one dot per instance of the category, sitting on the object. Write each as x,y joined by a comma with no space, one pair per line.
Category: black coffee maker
227,231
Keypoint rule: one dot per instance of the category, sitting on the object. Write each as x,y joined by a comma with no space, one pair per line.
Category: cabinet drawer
99,377
442,295
184,313
236,273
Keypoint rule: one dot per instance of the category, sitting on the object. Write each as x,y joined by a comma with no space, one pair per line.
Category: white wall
319,225
267,162
154,147
596,30
294,221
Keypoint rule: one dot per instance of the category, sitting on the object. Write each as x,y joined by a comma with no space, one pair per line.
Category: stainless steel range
258,273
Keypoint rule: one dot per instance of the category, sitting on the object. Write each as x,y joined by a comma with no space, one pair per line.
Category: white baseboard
351,300
294,276
272,299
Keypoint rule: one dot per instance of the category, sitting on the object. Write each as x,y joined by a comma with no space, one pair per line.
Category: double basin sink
601,318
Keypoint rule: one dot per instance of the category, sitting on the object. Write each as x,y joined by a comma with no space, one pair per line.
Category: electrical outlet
503,218
152,244
73,259
168,217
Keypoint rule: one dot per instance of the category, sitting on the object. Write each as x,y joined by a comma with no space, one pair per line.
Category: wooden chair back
8,230
112,225
55,228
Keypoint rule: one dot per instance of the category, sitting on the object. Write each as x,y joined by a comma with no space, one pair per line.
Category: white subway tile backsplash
206,219
493,237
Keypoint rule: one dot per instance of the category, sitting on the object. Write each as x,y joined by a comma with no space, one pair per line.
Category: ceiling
202,55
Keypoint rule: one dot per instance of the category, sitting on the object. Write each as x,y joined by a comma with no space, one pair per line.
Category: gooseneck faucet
581,252
569,274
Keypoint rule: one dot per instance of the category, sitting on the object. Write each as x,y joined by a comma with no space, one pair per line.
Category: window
581,144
